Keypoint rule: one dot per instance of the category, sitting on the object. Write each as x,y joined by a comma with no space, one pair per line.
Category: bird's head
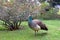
30,18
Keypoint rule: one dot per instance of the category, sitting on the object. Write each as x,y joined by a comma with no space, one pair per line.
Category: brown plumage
41,24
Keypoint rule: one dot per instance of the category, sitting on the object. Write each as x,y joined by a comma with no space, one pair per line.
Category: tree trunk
13,27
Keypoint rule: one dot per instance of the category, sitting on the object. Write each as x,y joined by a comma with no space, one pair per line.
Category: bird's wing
41,24
35,26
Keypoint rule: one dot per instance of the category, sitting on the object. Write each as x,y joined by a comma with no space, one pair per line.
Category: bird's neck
30,19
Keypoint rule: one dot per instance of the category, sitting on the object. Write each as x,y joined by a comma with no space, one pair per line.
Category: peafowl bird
36,24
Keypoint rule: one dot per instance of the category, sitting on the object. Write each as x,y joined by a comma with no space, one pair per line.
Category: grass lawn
27,34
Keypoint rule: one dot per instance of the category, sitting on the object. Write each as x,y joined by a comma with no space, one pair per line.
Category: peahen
36,24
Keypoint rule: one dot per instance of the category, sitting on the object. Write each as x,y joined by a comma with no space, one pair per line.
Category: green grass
27,34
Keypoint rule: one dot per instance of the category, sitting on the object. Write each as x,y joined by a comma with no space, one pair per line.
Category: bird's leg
35,32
